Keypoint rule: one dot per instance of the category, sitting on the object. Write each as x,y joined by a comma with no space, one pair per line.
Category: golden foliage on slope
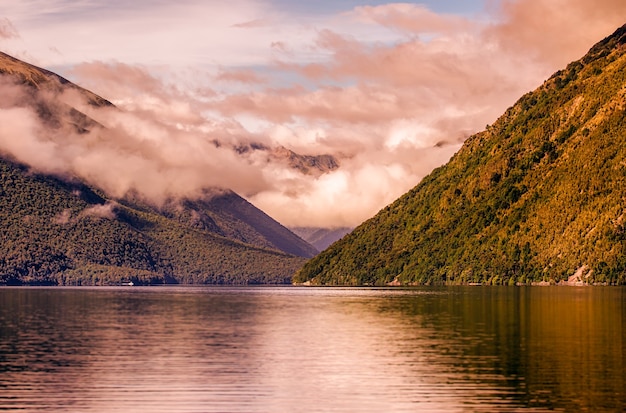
537,196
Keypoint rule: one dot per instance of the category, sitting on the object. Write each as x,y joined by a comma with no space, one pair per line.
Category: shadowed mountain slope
229,215
61,230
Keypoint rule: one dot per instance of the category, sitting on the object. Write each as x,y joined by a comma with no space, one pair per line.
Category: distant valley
321,238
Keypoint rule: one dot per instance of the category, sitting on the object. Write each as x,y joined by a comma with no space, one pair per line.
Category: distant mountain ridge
321,238
64,231
538,197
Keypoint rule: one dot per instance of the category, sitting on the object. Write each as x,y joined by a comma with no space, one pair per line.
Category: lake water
292,349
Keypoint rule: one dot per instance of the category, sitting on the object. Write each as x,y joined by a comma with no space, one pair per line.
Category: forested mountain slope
55,232
540,195
61,230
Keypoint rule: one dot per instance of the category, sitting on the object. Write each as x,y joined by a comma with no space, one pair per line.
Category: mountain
315,165
539,196
44,80
306,164
227,214
61,230
321,238
41,90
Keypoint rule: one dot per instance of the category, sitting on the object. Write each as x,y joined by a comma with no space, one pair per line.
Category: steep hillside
225,213
44,80
539,196
60,230
25,85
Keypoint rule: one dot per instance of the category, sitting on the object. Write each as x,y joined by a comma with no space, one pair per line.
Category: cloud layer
391,90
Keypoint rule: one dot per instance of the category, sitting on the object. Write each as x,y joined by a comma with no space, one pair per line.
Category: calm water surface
289,349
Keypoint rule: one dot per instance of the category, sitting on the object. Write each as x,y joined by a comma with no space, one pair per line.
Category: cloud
391,91
239,76
349,195
413,18
105,211
554,32
7,30
189,32
135,151
62,218
252,24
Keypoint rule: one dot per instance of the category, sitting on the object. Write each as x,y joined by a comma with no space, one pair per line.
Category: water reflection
555,348
312,350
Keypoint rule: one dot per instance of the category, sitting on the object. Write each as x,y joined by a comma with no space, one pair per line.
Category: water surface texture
291,349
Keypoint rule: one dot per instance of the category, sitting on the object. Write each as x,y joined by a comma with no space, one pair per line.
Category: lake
299,349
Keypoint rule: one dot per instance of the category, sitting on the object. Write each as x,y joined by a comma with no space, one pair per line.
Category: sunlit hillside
537,197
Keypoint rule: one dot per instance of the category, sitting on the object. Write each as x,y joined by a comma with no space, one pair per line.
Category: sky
390,89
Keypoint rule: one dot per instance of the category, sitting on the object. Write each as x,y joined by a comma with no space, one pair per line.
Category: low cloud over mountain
389,91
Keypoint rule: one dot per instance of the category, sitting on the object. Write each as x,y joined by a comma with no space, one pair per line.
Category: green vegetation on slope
231,216
54,232
538,196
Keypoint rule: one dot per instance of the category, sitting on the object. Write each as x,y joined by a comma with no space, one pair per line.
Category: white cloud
7,30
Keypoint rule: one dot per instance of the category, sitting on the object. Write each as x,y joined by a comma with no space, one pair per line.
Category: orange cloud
239,76
554,32
390,108
413,18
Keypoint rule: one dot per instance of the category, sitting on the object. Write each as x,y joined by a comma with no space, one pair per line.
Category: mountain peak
42,79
